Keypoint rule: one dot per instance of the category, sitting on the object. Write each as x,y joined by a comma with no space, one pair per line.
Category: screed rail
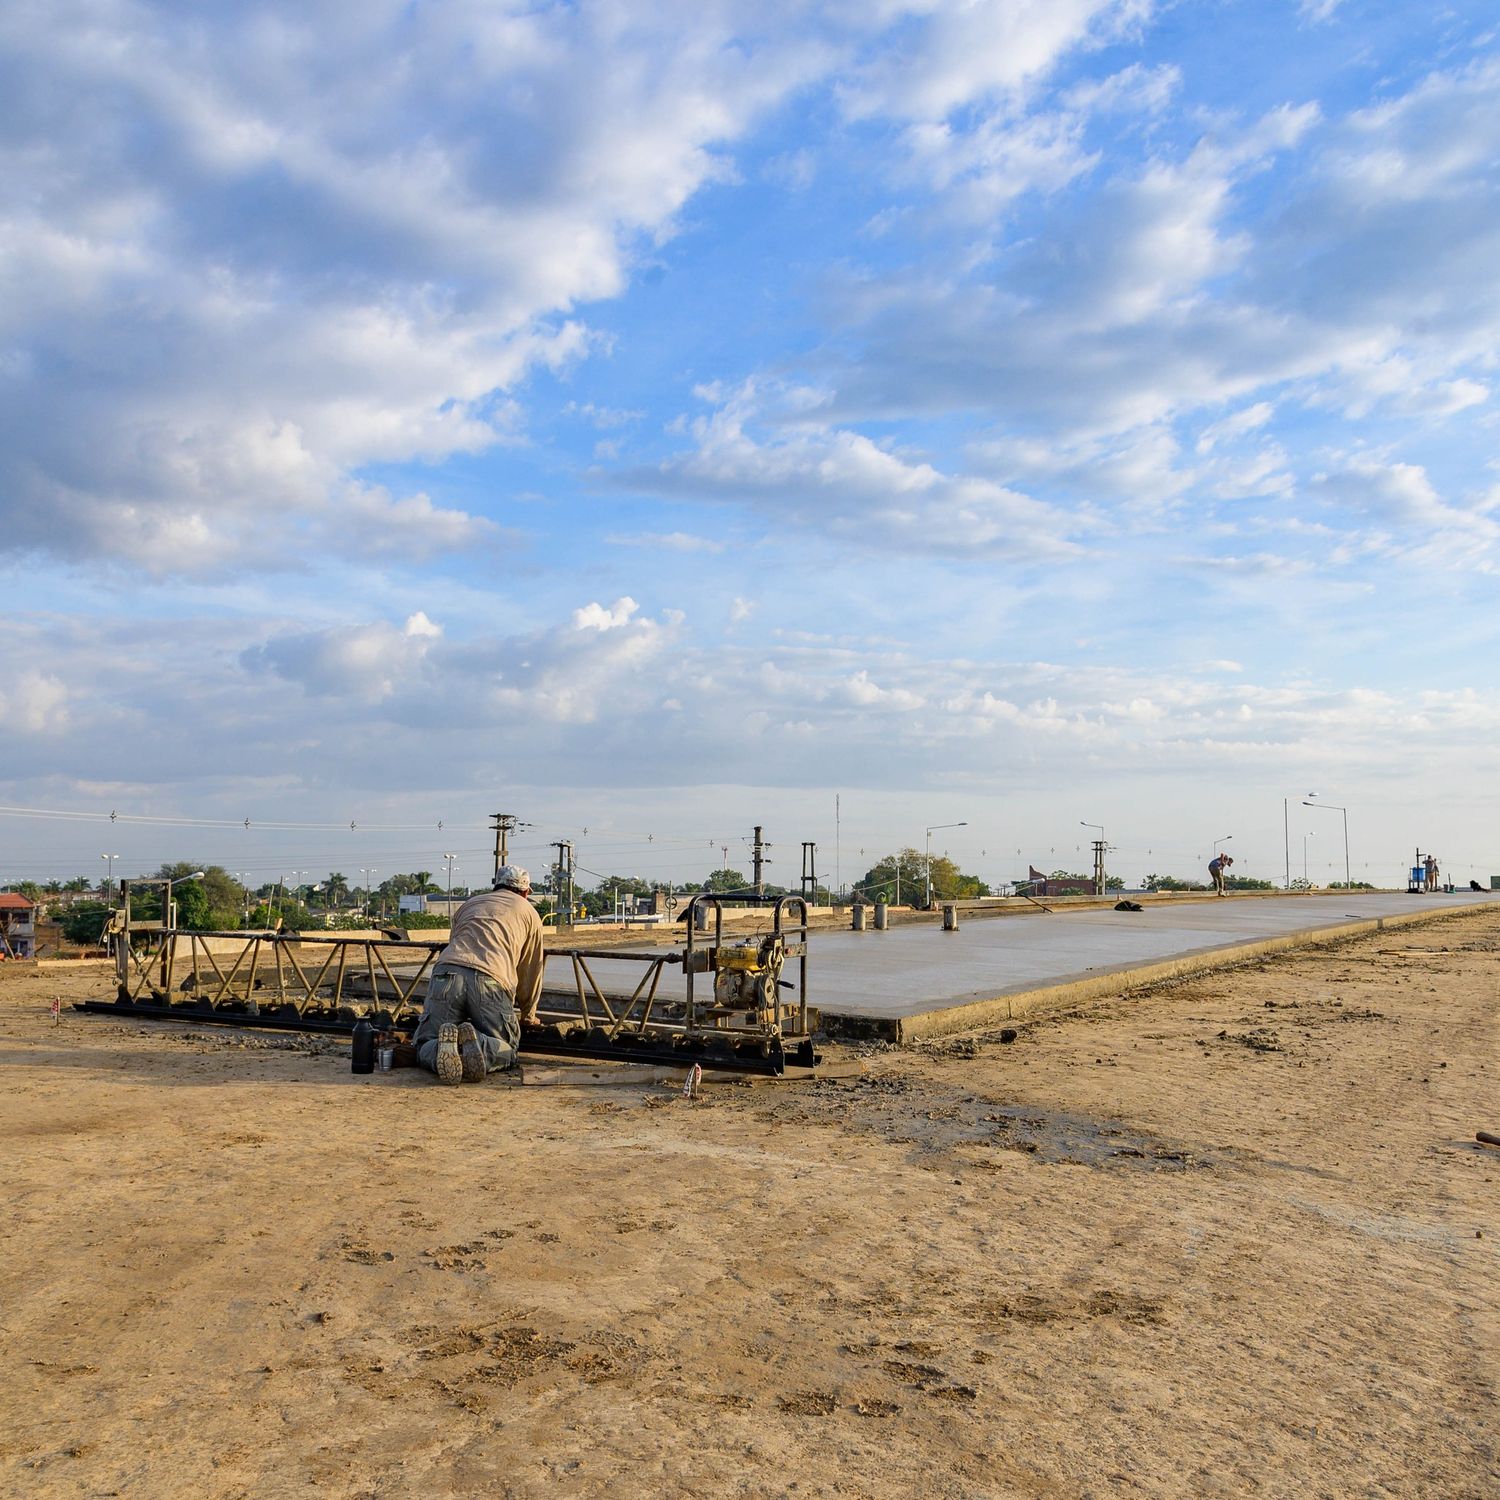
305,982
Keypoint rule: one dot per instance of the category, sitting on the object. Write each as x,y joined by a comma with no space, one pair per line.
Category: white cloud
1235,425
667,541
419,625
1136,89
318,247
596,617
1409,516
34,702
840,481
957,54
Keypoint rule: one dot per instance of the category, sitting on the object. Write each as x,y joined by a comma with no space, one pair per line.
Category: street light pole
927,901
1305,838
450,858
109,879
1331,807
1223,840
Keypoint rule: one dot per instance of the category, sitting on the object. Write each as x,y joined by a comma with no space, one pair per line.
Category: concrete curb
1118,979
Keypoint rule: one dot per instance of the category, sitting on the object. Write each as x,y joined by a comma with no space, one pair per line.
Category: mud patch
1056,1307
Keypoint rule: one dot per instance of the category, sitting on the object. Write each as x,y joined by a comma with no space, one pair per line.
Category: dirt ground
1233,1237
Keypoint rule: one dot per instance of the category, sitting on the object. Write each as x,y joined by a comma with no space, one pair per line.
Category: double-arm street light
109,881
450,858
1330,807
930,832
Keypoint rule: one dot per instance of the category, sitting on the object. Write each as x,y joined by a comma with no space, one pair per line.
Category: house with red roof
17,926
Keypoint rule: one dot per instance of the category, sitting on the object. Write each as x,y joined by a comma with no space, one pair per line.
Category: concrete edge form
976,1015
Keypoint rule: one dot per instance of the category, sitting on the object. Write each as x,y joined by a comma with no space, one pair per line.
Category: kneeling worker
490,970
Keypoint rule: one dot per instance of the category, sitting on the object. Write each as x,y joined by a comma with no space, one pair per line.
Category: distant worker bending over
490,971
1218,867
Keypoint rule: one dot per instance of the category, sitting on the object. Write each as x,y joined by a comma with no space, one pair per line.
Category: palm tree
336,888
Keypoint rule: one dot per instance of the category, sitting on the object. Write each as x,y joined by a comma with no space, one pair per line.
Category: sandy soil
1228,1238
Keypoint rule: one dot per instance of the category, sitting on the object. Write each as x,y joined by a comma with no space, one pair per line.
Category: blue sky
658,422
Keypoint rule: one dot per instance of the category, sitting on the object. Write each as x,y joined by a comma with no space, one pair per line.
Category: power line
86,816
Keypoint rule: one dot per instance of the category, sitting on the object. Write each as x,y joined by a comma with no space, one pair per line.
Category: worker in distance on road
489,974
1218,867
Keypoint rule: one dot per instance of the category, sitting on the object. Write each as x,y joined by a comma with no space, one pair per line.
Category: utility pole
1099,847
759,854
809,871
838,832
504,825
563,885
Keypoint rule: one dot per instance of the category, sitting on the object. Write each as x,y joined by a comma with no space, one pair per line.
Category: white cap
514,877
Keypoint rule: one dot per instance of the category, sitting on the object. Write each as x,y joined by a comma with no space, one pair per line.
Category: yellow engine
747,981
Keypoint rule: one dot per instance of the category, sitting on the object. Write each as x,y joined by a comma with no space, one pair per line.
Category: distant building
1046,885
17,926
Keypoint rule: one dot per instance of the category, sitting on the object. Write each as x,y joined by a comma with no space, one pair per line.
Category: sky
655,421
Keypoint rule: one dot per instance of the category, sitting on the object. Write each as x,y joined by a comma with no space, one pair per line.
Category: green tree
600,902
1171,883
83,923
336,888
726,879
1111,882
419,882
294,916
212,904
27,888
880,882
79,883
1247,883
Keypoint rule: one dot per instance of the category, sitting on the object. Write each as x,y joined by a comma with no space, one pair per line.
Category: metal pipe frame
298,990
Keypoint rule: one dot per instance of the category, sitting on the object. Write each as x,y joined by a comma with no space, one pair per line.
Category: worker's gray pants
456,994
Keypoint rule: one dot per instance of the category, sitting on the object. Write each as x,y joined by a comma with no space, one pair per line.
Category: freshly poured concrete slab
919,980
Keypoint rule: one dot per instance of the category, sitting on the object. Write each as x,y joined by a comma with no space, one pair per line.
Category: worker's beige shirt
500,934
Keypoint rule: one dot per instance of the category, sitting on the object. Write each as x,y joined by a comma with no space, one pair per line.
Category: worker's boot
471,1054
448,1065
